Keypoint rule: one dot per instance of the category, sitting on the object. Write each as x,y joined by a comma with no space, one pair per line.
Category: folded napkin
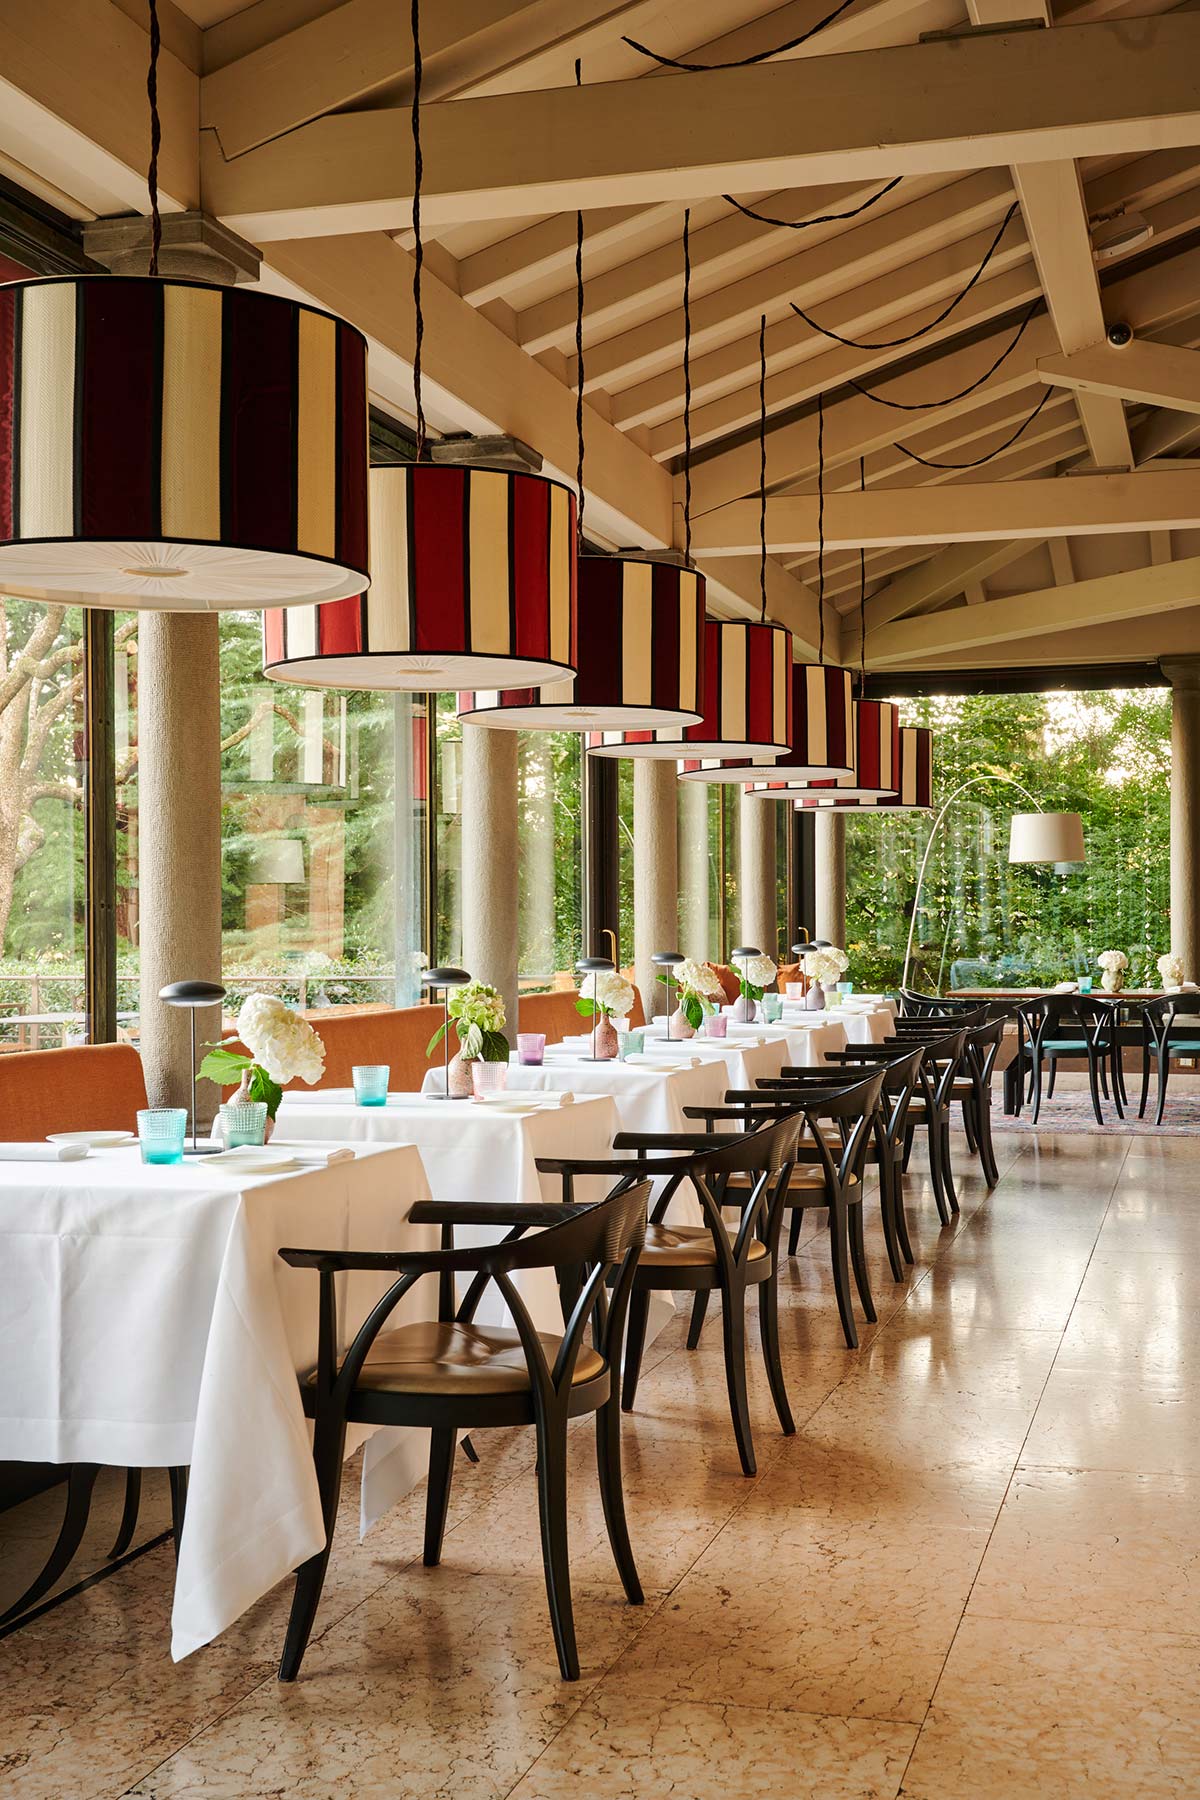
318,1159
43,1152
1066,987
648,1060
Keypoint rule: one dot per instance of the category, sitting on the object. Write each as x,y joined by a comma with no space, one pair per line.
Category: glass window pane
549,862
447,936
42,831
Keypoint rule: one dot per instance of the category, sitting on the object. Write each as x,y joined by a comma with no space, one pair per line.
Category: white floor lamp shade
1046,837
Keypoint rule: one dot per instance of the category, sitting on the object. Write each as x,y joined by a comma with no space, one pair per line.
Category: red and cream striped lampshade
641,656
473,580
747,709
178,447
876,761
822,733
915,787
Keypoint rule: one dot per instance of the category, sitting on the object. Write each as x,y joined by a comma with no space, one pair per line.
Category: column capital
1181,671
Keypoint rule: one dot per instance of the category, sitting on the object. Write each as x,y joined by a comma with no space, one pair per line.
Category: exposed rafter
1156,374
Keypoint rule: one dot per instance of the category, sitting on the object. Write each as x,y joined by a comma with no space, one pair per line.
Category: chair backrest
89,1087
916,1005
931,1025
1050,1016
983,1047
855,1111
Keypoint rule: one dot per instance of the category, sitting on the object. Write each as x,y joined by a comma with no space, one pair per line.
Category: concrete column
489,862
1183,672
831,877
758,908
179,842
655,874
694,876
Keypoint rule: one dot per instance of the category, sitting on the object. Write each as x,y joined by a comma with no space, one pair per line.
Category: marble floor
974,1571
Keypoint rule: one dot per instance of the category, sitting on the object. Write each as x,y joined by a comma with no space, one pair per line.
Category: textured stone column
758,909
179,842
1183,672
655,874
694,878
831,877
489,862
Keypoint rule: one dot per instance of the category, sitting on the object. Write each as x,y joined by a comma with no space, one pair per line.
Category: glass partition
549,857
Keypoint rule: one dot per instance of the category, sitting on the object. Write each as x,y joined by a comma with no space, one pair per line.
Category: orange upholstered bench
90,1087
397,1035
556,1015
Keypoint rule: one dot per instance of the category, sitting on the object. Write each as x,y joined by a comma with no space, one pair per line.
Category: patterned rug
1071,1111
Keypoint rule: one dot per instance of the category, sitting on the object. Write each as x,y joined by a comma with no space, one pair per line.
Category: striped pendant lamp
822,733
473,580
178,447
747,708
876,771
641,656
915,787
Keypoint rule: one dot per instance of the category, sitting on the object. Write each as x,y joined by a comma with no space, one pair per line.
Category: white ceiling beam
733,582
940,578
916,109
1133,594
1154,374
970,512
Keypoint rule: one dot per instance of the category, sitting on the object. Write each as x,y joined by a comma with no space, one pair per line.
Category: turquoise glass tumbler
632,1042
161,1131
845,987
371,1083
772,1008
243,1122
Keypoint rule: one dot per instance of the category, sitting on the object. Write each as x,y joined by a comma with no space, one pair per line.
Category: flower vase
461,1083
814,1000
1112,981
678,1027
242,1095
744,1010
607,1044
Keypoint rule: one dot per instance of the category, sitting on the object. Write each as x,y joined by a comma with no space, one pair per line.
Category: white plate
92,1140
254,1159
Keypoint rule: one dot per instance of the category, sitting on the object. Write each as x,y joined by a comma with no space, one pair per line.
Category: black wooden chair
452,1375
931,1106
1073,1025
973,1091
934,1006
749,1170
1163,1038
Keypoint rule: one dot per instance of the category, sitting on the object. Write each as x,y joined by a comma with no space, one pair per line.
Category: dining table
147,1321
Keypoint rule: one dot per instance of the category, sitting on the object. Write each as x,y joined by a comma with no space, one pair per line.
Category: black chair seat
442,1357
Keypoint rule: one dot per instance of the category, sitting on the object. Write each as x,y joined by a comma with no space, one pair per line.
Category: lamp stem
972,781
668,1002
446,1037
192,1011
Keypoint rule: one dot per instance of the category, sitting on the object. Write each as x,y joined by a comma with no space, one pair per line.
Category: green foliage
226,1068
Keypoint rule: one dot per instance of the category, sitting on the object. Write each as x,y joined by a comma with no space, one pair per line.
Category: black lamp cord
418,247
579,349
821,528
746,62
155,138
687,385
862,594
762,467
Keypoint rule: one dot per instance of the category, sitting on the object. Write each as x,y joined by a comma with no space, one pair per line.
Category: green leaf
495,1047
435,1040
693,1011
226,1067
586,1007
263,1088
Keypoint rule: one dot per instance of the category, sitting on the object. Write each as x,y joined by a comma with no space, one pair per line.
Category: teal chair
1163,1038
1073,1025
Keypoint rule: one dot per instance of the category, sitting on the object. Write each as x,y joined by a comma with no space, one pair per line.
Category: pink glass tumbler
531,1048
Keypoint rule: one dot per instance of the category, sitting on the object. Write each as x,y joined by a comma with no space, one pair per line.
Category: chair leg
608,1467
635,1343
1095,1088
858,1256
178,1479
969,1127
1164,1070
947,1165
797,1220
935,1172
768,1323
80,1482
733,1320
887,1213
987,1149
1145,1084
1053,1077
699,1308
129,1514
437,1494
901,1217
552,1514
1103,1072
839,1253
1119,1096
1036,1084
909,1134
329,1445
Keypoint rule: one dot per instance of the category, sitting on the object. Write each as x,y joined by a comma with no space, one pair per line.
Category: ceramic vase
243,1094
607,1043
1112,981
462,1085
814,1000
678,1025
745,1011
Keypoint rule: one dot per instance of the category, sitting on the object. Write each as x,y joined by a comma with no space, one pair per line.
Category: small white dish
255,1159
92,1140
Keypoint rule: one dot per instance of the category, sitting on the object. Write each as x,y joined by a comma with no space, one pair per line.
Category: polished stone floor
974,1571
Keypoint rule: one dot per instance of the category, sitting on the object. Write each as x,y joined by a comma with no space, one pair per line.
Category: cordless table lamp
195,995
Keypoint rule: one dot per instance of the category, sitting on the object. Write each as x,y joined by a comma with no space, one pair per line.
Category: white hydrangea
698,978
759,970
1171,970
611,992
827,965
1114,961
284,1045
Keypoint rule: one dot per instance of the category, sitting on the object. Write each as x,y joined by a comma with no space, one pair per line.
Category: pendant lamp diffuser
641,655
915,788
822,732
178,447
876,762
473,580
747,710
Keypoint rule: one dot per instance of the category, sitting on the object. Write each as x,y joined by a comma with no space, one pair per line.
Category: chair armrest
607,1165
670,1140
483,1212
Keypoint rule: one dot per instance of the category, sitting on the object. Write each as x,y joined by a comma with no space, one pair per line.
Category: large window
984,922
549,856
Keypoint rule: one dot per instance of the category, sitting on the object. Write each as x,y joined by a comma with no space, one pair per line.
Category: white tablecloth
862,1024
747,1059
147,1321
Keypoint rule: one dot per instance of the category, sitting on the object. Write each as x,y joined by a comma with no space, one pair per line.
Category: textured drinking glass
772,1008
488,1077
845,987
243,1122
718,1025
796,990
1085,984
632,1041
161,1131
371,1083
531,1048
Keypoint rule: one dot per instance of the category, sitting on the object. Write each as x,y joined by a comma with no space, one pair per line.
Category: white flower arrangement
826,965
699,986
607,992
755,974
1171,970
477,1011
1113,962
282,1047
